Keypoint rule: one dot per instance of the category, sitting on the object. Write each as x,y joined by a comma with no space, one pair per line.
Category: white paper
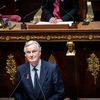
46,23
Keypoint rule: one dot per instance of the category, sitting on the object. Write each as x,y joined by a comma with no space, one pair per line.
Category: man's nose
31,53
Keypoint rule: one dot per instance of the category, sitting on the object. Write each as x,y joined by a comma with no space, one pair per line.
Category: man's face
33,54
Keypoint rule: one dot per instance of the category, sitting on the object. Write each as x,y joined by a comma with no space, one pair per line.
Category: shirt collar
38,67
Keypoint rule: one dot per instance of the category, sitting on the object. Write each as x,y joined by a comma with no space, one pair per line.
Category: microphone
74,24
41,89
23,25
17,84
69,15
2,7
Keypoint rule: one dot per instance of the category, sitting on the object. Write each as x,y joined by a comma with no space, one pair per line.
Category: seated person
66,10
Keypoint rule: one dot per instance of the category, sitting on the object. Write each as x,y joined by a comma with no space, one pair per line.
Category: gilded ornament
11,67
93,66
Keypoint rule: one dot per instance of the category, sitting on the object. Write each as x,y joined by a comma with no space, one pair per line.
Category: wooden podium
52,26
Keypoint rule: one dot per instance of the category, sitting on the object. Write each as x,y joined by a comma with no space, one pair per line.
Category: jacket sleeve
58,86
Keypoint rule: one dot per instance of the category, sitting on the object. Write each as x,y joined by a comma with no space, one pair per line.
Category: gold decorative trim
37,16
93,66
51,37
11,67
47,35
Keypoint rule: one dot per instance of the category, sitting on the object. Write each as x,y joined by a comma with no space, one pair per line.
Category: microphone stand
41,90
23,25
2,7
74,24
17,85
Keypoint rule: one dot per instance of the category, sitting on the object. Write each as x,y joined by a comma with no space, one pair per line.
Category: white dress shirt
32,72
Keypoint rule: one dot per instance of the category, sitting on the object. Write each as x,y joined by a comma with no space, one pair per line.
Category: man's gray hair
32,42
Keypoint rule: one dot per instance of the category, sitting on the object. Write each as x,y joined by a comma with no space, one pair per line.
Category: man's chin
32,61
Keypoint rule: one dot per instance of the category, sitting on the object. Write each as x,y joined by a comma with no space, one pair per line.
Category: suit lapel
43,74
28,79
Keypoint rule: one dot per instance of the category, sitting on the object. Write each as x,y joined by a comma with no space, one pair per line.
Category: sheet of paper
44,23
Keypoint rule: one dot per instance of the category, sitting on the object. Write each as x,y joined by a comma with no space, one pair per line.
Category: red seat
15,18
8,10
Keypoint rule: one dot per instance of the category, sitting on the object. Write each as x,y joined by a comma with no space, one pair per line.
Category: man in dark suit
49,84
67,10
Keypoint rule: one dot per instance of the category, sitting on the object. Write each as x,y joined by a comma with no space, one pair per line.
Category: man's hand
55,20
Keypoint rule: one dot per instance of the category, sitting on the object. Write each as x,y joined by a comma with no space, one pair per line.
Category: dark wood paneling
77,80
9,8
96,9
25,7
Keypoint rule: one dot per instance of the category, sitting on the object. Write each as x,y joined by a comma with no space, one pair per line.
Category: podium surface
49,33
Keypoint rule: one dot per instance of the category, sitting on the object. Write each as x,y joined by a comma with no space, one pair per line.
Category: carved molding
54,36
51,33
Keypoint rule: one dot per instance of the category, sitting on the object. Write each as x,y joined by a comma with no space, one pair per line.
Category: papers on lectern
44,23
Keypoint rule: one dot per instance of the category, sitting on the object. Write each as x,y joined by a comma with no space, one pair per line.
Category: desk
82,33
77,79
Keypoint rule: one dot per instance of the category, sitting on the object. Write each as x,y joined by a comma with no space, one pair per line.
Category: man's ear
40,53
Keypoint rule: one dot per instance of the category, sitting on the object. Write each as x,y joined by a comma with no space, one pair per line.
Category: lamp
1,22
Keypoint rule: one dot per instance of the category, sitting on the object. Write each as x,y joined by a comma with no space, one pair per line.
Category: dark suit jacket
50,80
68,9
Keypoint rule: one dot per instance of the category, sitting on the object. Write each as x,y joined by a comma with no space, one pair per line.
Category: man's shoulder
48,65
22,66
47,62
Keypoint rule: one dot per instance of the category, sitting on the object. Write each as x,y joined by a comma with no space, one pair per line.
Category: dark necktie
36,85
